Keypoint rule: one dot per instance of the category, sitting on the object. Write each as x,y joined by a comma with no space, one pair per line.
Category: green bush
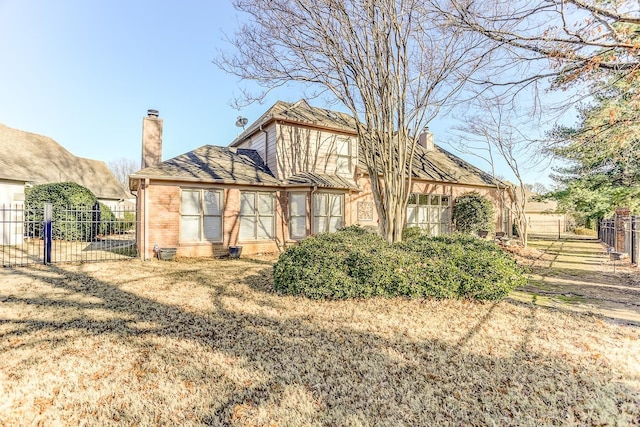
354,263
472,212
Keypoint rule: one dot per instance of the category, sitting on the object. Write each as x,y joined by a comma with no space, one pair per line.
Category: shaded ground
575,273
207,342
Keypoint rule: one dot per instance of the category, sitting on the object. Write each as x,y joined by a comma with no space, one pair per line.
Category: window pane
190,202
265,227
320,204
247,203
212,205
434,214
298,204
335,223
298,227
320,224
422,215
435,200
412,199
444,200
423,199
335,207
265,203
247,228
189,228
213,228
445,217
411,215
342,147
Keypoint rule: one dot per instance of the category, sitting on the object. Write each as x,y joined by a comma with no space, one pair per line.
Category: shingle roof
436,165
213,164
321,180
301,112
41,160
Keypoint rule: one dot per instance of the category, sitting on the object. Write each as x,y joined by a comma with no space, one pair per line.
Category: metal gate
76,234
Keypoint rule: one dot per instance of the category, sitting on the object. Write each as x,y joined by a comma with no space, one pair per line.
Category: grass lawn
207,342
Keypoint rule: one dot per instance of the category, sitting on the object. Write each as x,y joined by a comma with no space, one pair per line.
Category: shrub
354,263
410,233
472,212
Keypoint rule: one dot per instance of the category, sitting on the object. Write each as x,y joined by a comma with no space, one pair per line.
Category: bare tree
499,137
569,39
394,64
122,168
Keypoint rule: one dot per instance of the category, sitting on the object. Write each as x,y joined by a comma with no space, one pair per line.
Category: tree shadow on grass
303,371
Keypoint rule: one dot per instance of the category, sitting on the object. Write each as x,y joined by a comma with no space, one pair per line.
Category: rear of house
294,172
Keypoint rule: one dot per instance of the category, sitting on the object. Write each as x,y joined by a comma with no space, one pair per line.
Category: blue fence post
47,232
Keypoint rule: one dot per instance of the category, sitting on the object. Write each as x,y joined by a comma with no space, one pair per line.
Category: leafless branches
394,64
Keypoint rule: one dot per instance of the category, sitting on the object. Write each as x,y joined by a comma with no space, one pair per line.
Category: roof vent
152,113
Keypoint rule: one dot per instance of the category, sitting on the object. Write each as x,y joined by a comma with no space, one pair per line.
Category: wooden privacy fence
48,235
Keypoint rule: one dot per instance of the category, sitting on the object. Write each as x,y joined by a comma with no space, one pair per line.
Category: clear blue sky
84,72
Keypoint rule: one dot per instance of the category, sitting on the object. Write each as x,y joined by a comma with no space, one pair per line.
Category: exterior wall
362,210
11,192
162,201
306,149
11,214
264,143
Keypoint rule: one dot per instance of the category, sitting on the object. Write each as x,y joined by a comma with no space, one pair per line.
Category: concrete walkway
576,274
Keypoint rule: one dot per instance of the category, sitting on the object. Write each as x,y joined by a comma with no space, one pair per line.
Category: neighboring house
543,216
294,172
29,159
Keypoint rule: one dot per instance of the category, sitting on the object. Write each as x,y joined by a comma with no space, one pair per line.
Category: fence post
48,210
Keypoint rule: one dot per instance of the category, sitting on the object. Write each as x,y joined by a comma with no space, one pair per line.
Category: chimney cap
152,113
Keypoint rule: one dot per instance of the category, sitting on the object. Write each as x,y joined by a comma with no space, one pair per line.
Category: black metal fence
74,234
630,229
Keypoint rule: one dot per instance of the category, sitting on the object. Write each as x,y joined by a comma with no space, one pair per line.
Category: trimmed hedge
354,263
74,216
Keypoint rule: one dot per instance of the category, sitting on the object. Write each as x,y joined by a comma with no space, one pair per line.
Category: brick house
293,172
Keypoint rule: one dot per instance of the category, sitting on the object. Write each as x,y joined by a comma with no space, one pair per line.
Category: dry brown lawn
207,342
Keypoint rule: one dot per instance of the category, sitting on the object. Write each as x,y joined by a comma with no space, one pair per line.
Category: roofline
225,182
266,120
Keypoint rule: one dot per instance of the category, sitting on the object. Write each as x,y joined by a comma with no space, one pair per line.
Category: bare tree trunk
393,64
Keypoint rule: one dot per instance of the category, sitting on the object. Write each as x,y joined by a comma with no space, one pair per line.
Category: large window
327,212
297,215
431,212
201,215
343,159
256,215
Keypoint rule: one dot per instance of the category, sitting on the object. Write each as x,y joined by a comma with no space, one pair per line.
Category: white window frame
344,157
202,215
257,217
430,212
296,216
325,217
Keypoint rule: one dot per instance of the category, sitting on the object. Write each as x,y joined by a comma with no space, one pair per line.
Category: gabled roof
436,165
41,160
302,113
213,164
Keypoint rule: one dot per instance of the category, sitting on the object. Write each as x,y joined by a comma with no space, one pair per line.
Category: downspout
145,200
315,188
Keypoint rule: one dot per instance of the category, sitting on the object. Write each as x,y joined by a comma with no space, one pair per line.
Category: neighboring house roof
41,160
213,164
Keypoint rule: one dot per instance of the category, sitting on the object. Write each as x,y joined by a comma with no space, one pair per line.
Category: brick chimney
426,139
151,139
